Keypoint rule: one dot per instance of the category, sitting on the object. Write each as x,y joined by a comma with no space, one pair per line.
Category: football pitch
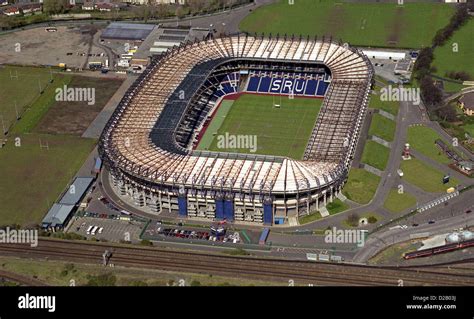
255,124
411,25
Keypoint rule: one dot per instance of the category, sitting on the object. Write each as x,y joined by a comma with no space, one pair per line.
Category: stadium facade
148,144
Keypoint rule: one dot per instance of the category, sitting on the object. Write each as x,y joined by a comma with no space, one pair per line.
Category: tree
353,220
102,280
430,93
447,113
162,11
179,12
196,6
372,219
54,6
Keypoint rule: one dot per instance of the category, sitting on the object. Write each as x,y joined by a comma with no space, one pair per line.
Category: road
224,23
379,241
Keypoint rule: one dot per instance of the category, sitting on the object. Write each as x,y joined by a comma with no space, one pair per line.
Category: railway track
265,269
22,280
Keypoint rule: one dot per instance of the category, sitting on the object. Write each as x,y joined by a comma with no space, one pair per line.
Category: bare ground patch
75,117
335,21
395,28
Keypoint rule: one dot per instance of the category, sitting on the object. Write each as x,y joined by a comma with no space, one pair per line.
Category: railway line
20,279
277,270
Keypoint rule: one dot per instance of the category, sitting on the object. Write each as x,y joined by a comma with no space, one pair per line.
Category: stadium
150,145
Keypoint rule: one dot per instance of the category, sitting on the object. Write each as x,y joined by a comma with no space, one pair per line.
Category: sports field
282,131
34,177
21,86
35,167
457,54
412,25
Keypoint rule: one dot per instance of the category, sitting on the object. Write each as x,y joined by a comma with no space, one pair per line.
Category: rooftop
468,100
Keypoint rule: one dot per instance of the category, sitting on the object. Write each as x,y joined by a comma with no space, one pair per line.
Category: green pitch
282,131
20,87
411,25
457,54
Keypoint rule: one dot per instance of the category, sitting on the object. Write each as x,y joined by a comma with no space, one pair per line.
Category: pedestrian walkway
324,212
293,221
372,169
387,115
381,141
341,197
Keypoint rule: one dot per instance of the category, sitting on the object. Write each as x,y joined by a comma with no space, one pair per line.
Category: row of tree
431,94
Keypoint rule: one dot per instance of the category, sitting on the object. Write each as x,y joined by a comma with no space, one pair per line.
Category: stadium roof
76,191
329,150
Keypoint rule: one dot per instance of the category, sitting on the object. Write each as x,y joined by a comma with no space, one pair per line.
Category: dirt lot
75,117
39,47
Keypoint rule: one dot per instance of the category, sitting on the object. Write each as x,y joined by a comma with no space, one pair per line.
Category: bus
125,212
126,56
94,230
95,65
89,229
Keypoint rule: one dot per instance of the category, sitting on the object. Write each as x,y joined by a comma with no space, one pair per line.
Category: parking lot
114,230
38,47
158,231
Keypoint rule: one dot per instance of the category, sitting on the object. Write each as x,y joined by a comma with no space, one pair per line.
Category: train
439,250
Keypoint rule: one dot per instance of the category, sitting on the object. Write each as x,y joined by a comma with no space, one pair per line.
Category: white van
89,229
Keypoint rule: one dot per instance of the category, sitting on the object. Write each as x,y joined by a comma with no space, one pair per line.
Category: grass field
20,86
382,127
35,111
376,155
216,122
337,206
422,139
75,117
446,59
363,24
280,131
387,106
60,273
432,178
397,203
33,178
361,186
